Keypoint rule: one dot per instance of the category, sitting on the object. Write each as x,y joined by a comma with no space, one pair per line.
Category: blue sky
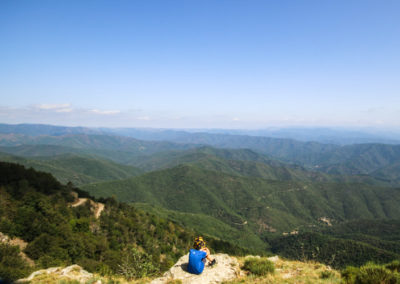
210,64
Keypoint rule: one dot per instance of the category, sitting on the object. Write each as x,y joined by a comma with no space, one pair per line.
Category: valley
338,205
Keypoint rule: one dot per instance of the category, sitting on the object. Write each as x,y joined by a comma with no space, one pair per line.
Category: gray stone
72,272
227,268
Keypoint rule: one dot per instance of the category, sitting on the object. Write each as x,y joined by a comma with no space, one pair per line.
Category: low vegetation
258,266
336,252
12,265
372,273
288,271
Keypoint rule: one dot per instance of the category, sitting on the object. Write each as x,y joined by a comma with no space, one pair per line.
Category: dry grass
51,279
287,271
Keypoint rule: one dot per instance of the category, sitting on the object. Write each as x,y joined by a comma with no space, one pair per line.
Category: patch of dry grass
51,279
287,271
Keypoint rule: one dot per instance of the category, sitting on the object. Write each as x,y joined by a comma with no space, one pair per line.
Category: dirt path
96,207
79,202
100,208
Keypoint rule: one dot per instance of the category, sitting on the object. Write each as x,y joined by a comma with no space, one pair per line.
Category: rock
273,258
227,268
73,272
17,242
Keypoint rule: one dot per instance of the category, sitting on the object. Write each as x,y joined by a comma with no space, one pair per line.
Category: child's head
199,243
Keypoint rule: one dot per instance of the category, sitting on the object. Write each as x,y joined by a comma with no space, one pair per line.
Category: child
198,256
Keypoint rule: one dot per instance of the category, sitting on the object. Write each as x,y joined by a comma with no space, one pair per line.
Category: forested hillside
255,204
35,207
302,200
76,168
350,243
376,160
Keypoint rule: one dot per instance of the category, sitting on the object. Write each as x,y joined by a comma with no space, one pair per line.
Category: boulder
73,272
227,268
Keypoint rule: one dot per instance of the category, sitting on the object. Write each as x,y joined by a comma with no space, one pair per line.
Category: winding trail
97,207
79,202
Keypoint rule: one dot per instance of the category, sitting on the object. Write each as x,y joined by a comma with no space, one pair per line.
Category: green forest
338,205
35,207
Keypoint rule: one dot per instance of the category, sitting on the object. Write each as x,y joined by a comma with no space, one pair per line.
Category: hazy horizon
355,129
201,64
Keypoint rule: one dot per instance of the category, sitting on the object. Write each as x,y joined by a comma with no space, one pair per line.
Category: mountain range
257,192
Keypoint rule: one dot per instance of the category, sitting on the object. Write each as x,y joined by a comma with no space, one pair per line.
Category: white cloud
105,112
67,108
64,110
54,106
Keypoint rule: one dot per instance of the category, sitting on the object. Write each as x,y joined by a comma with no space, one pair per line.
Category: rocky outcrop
17,242
73,272
227,268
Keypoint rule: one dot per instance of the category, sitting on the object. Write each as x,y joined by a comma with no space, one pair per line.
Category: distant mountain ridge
78,169
94,143
45,129
377,160
242,162
324,135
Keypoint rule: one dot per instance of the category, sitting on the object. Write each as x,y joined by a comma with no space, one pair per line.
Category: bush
326,274
46,261
373,273
12,266
259,266
370,274
349,274
135,264
393,266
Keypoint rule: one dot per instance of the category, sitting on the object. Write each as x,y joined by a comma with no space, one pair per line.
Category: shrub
349,274
394,265
326,274
373,273
49,261
135,264
12,266
259,266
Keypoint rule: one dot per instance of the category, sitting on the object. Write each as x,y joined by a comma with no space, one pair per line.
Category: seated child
198,256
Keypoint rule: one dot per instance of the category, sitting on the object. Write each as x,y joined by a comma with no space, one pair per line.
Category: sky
200,64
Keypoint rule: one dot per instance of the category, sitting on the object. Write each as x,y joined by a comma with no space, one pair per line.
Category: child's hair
199,243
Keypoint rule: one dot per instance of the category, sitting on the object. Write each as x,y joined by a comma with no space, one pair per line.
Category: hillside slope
244,162
78,169
254,204
36,208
